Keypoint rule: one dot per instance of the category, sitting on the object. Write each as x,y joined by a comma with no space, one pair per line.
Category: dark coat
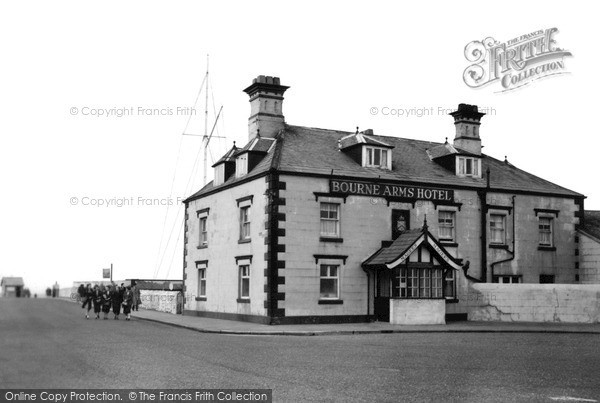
128,298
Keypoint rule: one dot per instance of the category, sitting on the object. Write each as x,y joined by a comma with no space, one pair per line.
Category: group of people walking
104,298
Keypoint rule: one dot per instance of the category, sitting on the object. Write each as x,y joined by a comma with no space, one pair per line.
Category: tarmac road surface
46,343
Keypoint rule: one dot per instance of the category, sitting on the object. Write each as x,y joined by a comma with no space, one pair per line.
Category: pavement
208,325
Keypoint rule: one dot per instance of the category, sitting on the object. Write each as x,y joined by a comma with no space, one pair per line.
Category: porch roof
398,251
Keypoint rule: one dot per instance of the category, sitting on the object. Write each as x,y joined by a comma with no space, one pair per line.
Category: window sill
450,244
547,248
247,240
202,246
200,298
243,300
331,239
331,302
498,246
452,300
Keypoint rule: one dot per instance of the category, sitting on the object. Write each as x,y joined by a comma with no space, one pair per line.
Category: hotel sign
390,191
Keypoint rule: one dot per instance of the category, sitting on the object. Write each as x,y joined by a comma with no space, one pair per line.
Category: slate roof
229,156
307,150
446,149
12,281
258,144
397,248
591,224
360,138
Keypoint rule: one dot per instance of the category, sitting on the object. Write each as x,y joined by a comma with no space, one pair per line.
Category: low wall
164,301
418,311
571,303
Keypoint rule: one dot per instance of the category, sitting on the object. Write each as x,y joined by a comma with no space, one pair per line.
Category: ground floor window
509,279
418,283
450,285
201,281
546,278
244,280
329,288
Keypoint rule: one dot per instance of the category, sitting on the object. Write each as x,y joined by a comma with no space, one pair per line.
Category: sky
95,96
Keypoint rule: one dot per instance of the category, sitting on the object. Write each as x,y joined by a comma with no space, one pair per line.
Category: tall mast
205,138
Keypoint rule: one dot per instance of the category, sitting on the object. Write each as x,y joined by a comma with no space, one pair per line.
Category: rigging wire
162,236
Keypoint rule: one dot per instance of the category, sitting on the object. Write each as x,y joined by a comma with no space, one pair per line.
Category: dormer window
377,157
219,174
468,166
241,165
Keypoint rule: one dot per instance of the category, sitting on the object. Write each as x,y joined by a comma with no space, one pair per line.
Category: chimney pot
467,120
266,113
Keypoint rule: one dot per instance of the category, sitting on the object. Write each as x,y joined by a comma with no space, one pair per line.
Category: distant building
307,225
589,239
12,286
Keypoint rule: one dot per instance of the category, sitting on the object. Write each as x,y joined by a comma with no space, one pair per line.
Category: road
47,343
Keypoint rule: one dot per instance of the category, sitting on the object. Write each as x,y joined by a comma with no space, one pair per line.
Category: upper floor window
203,231
468,166
330,219
497,229
545,228
203,227
377,157
244,222
446,225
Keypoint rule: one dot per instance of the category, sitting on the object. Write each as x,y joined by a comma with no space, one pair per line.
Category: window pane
497,228
449,289
330,219
328,288
245,287
545,226
469,162
377,155
446,225
461,166
384,158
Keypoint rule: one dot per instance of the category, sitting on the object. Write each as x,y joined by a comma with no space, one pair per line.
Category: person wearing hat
117,299
127,302
97,300
106,301
87,300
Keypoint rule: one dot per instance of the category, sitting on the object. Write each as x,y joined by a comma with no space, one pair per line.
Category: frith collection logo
516,62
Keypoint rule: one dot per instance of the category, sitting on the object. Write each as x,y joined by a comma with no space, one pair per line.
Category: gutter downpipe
514,244
483,218
483,202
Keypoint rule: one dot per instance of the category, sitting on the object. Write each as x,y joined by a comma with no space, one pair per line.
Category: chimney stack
266,98
467,120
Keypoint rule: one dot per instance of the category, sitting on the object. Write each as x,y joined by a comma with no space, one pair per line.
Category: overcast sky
64,60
